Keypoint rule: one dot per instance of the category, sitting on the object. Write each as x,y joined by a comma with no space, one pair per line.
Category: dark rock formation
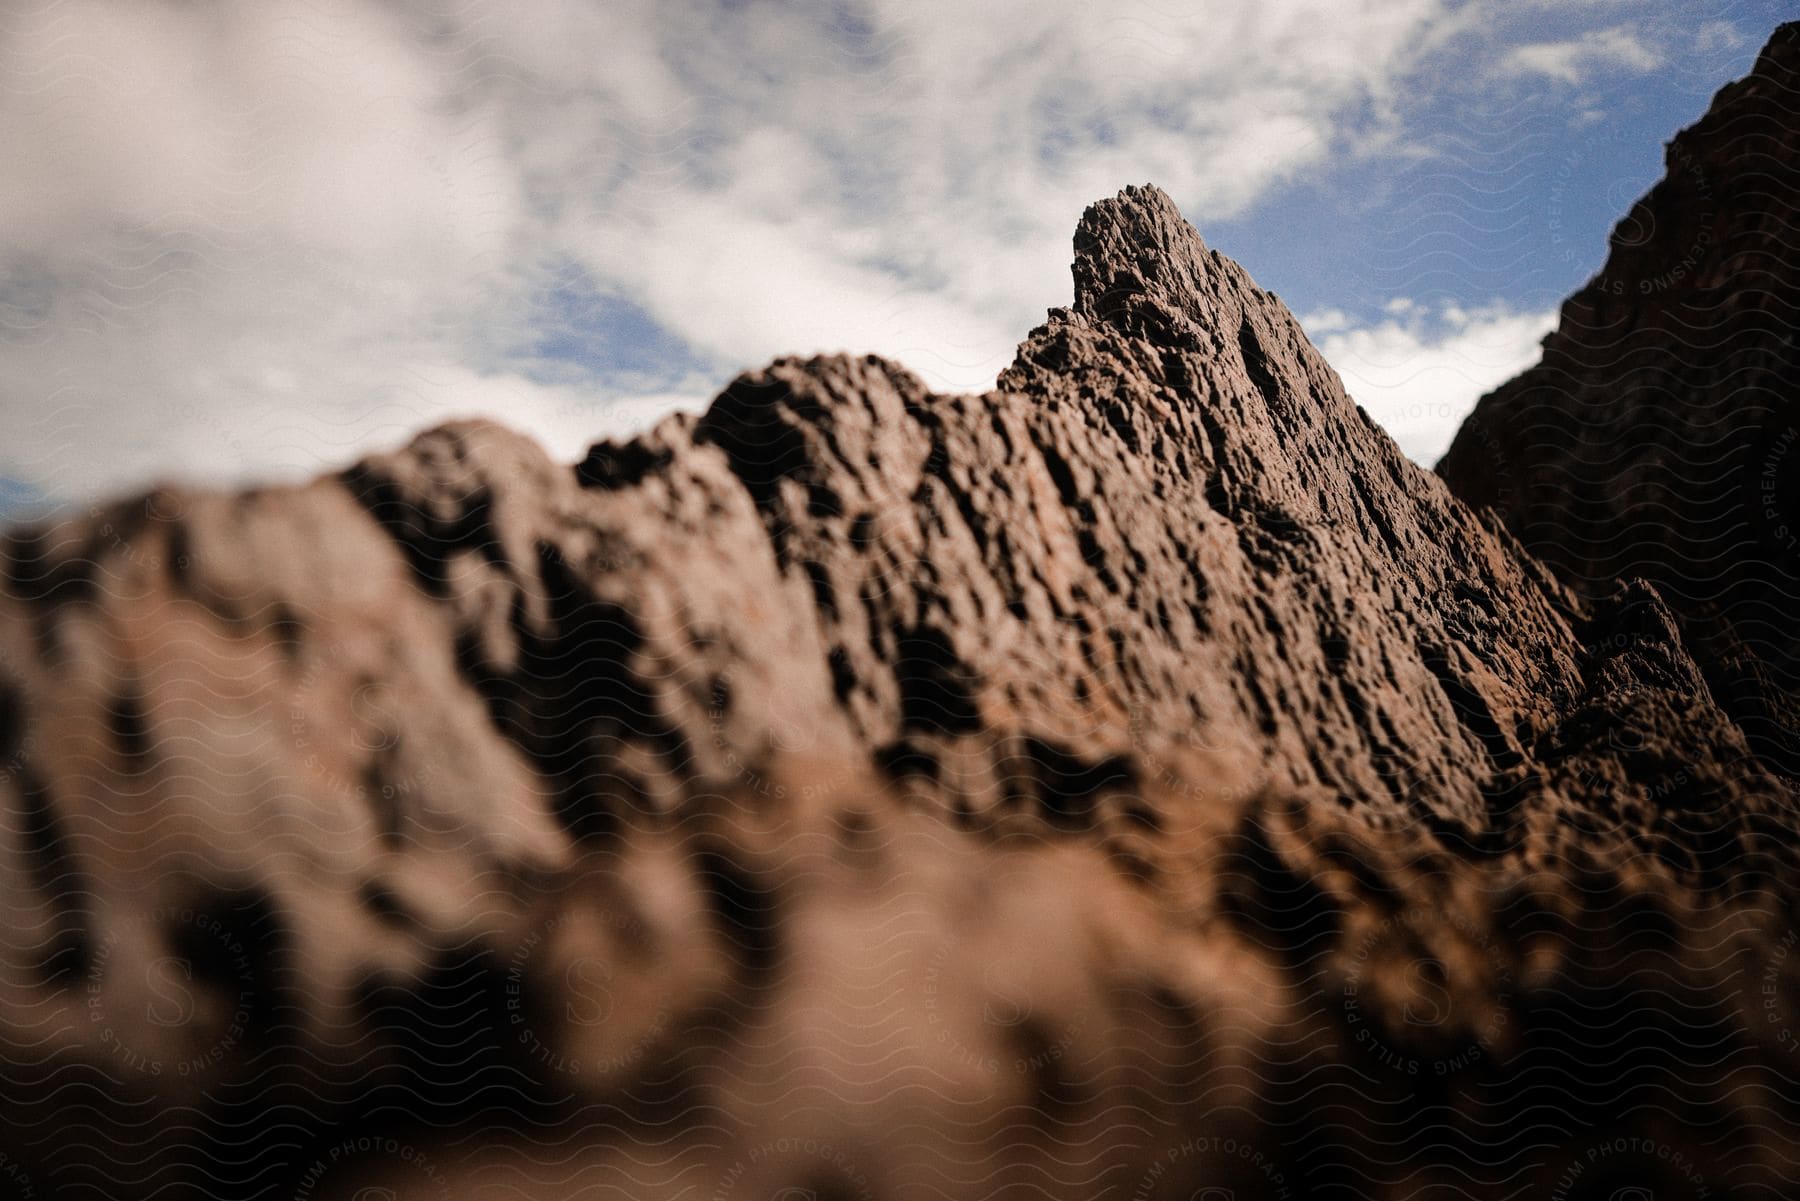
1660,435
1136,780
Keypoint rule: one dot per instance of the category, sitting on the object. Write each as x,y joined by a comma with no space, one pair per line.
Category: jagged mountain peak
1138,245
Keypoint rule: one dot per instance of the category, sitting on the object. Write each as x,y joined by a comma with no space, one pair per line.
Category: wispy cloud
244,239
1576,60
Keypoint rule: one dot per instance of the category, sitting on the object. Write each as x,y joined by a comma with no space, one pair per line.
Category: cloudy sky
251,240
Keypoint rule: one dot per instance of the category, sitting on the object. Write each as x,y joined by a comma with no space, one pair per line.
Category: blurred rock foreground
1136,781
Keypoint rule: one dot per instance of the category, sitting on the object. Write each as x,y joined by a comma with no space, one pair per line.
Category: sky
250,242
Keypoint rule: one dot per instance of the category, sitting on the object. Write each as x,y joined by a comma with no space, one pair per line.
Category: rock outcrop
1660,435
1137,780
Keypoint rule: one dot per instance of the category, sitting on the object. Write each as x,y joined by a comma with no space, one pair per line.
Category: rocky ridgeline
1660,435
1135,780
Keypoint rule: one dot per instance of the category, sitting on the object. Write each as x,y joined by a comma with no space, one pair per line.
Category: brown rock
1660,435
1135,780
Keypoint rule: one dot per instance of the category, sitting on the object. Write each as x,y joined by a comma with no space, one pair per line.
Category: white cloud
232,236
316,123
238,239
1327,321
909,185
1420,372
1713,37
1574,60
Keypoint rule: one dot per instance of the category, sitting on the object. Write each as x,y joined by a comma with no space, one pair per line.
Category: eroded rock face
1660,435
1136,780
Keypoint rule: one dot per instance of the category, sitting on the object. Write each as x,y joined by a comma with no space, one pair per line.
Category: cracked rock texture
1136,780
1660,435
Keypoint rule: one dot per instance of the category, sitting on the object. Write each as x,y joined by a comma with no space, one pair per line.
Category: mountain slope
1660,435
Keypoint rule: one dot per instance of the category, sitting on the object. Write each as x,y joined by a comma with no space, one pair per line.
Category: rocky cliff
1660,435
1137,780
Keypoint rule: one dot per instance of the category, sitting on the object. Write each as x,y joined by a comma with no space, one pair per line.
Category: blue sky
253,241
